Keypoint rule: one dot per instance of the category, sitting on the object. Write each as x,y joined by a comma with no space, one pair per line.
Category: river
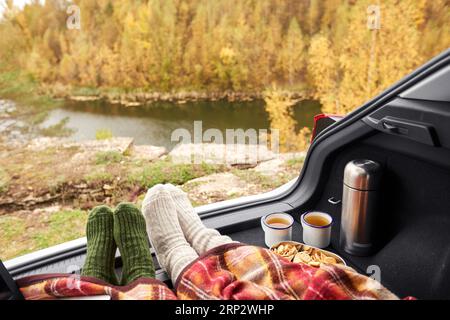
153,124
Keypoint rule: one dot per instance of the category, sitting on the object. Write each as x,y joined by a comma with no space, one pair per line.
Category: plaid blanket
55,286
229,272
243,272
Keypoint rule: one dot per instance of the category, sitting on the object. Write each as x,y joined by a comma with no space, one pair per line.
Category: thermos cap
362,174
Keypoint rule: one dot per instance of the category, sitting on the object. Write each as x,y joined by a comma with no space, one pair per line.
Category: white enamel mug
317,236
275,234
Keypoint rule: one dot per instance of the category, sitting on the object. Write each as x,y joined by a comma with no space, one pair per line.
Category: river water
153,124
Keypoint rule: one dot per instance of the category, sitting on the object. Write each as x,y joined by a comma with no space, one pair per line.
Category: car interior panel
407,131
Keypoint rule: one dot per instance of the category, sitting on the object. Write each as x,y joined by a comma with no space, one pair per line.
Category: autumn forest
324,49
91,92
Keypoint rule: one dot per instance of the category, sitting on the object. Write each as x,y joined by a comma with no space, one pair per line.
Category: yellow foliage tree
374,59
280,107
291,59
241,45
323,71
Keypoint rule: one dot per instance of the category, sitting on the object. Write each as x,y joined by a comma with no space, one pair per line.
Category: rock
50,209
7,106
30,199
7,124
122,145
84,98
107,187
218,187
276,166
147,152
86,151
132,104
82,157
228,154
244,166
271,167
40,144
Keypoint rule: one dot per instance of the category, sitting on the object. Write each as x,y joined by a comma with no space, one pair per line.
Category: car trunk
413,221
413,252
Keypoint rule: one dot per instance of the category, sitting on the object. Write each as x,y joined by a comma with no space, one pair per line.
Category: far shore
134,99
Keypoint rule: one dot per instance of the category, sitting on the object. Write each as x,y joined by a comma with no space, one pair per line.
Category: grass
266,182
269,182
4,180
57,172
108,157
22,234
85,91
165,171
27,93
11,237
103,134
62,226
98,176
42,170
295,163
15,83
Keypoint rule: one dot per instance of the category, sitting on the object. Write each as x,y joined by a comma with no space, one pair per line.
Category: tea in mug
317,221
278,222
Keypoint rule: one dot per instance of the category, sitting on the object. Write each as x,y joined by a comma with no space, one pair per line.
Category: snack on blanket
300,253
287,250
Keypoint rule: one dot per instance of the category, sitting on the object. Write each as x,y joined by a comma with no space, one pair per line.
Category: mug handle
263,226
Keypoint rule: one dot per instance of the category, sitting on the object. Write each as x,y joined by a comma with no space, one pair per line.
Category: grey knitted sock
197,234
173,251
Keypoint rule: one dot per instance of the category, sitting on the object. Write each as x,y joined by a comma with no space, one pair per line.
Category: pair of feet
176,232
123,228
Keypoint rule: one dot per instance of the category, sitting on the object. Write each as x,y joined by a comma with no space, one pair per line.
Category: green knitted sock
101,248
131,238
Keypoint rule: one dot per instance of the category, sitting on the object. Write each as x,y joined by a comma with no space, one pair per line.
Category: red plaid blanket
55,286
242,272
229,272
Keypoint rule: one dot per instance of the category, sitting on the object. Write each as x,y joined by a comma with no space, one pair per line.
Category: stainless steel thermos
359,206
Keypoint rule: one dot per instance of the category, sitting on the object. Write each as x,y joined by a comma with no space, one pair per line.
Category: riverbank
56,110
24,89
48,185
141,97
